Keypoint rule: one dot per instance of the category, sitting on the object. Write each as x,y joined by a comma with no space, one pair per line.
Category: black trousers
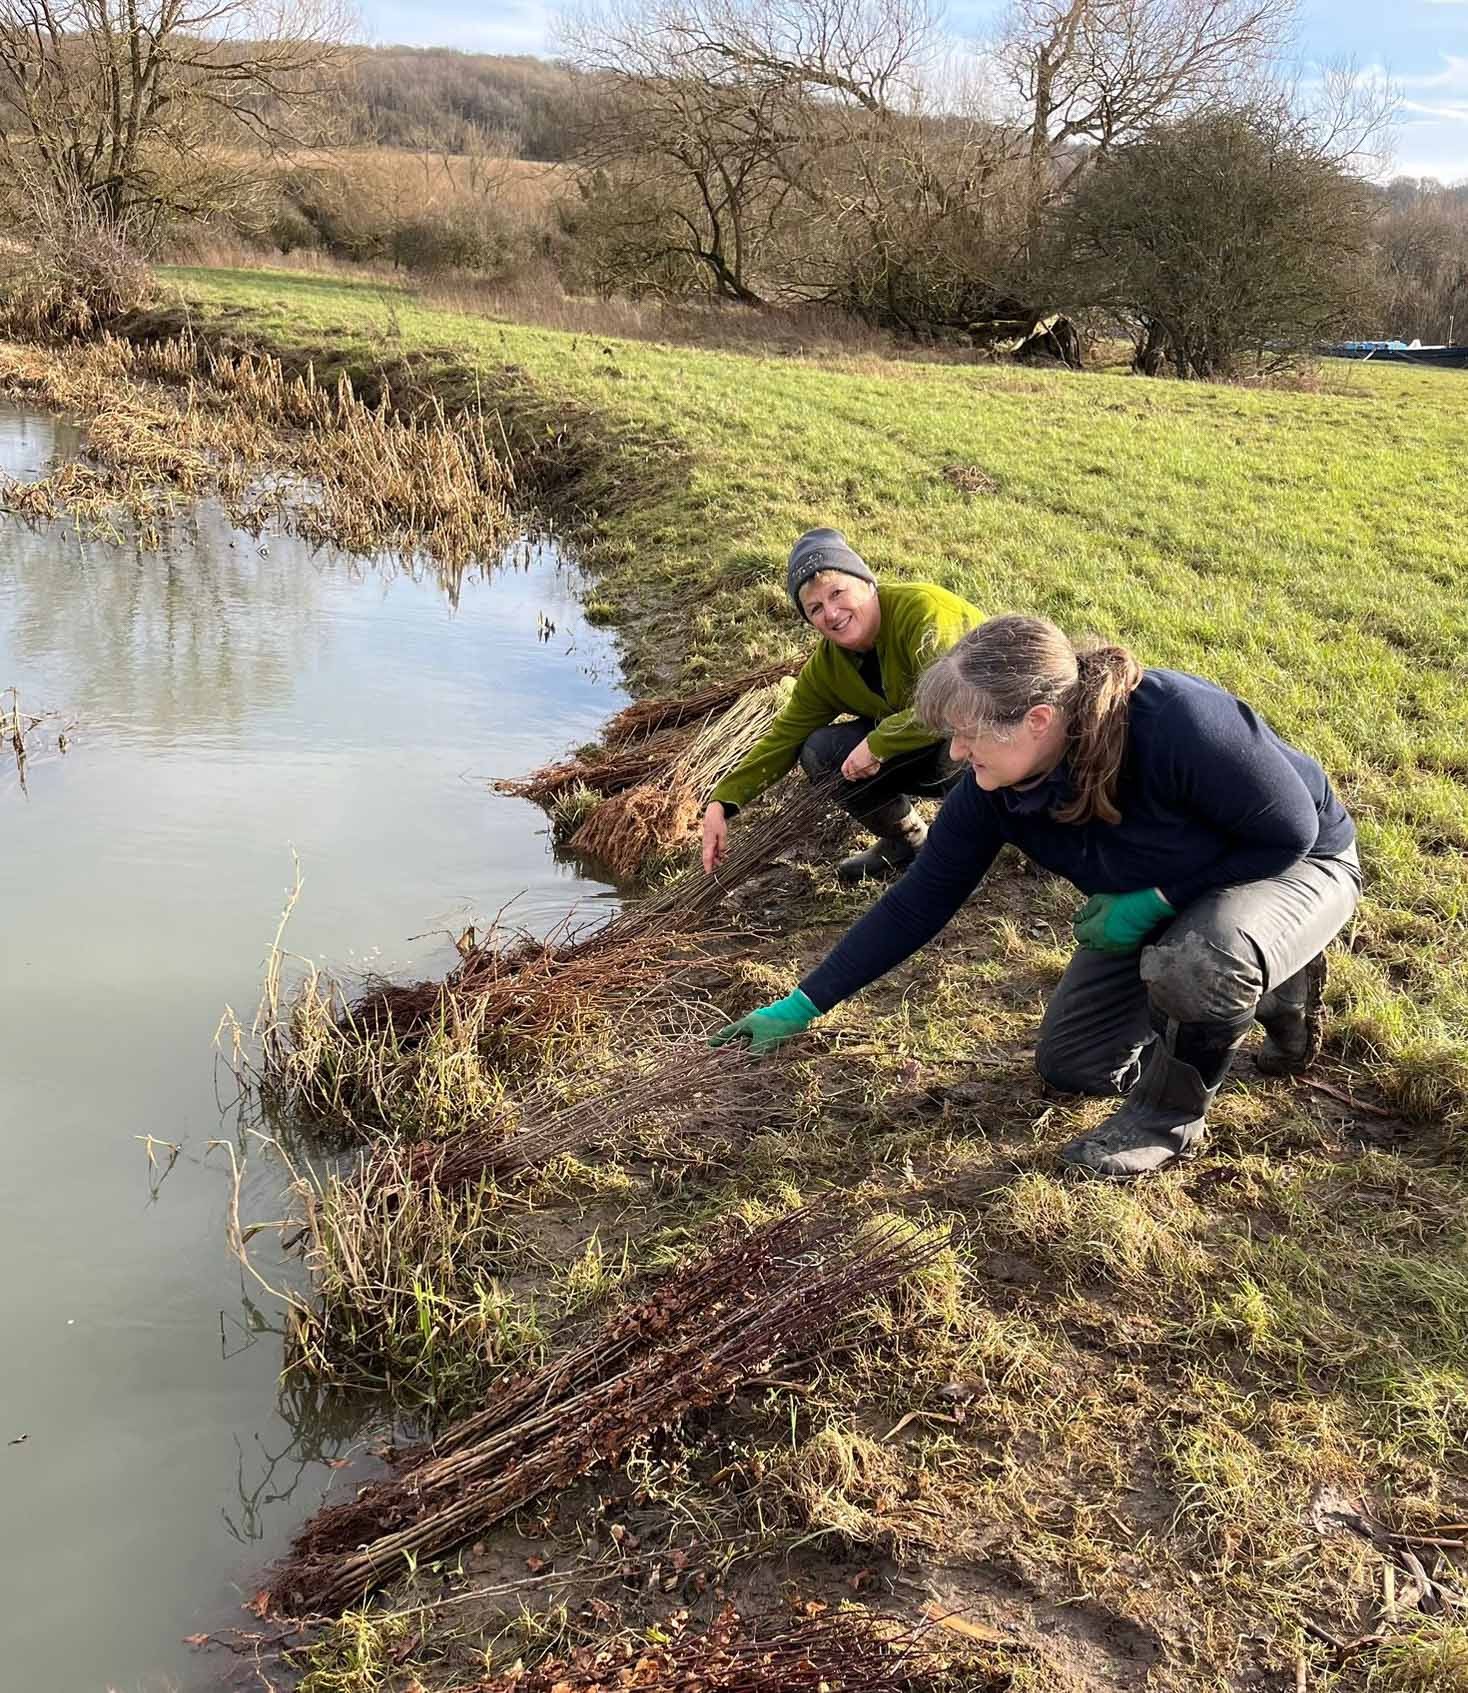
928,772
1211,965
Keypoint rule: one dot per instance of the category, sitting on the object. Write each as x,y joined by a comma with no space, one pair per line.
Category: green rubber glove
766,1028
1119,923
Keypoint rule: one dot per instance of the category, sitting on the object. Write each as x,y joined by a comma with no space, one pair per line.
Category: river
234,700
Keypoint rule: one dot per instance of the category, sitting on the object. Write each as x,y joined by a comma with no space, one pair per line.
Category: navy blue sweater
1209,797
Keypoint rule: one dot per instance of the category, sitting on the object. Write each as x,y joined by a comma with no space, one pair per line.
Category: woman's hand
766,1028
1119,923
715,837
859,762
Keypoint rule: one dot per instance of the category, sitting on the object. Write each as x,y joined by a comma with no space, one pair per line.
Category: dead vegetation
850,1650
180,416
27,734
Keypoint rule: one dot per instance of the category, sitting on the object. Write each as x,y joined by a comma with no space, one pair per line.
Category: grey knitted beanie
822,549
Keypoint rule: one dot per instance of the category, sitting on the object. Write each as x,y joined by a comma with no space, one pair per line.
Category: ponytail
1098,711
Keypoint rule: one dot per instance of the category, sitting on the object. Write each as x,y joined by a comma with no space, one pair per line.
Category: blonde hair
826,576
1007,666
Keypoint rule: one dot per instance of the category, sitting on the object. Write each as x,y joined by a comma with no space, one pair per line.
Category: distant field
395,176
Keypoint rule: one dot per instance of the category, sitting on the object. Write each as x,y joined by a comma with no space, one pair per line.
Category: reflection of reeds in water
632,831
782,1289
20,733
176,415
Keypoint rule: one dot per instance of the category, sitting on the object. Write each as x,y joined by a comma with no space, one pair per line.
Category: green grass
1126,1401
1305,549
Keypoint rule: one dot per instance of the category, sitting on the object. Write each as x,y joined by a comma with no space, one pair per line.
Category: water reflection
237,700
318,1432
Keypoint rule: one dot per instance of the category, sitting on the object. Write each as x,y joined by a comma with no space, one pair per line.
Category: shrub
476,238
1231,238
79,274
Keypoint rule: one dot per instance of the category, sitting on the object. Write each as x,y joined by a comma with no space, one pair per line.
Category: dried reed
707,1329
179,414
632,831
18,731
646,717
831,1652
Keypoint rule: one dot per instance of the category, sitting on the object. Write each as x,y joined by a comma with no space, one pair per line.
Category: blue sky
1423,49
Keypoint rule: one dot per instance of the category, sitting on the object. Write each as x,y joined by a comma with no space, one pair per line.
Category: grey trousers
1212,964
928,771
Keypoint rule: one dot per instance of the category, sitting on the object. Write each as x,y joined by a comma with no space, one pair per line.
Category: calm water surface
235,699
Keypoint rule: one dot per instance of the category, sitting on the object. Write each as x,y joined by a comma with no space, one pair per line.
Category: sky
1423,51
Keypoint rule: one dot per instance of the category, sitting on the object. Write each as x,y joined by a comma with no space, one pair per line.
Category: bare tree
1422,257
692,148
1092,74
134,105
794,148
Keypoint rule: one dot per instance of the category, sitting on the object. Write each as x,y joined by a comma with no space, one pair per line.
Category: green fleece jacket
919,623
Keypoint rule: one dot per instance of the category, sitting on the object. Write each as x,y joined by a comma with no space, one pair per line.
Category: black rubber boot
1162,1117
1293,1015
899,831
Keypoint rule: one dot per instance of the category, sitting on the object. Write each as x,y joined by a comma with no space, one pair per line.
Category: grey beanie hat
822,549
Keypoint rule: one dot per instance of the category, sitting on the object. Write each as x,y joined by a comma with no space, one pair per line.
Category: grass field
1165,1392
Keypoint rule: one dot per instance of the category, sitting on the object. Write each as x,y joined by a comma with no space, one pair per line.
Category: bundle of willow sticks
634,830
647,717
684,1089
705,1330
622,767
832,1652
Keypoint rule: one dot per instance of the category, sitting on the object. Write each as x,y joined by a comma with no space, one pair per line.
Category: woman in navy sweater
1218,861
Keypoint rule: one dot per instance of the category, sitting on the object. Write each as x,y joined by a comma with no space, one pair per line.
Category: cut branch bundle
706,1330
625,767
530,986
686,1090
631,830
834,1652
649,716
518,992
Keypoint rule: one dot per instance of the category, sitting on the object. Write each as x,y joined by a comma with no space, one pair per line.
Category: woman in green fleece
875,642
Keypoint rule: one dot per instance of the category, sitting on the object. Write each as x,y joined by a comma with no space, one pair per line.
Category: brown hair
1007,666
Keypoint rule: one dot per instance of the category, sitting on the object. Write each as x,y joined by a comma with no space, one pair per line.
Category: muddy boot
1162,1117
1293,1016
899,831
